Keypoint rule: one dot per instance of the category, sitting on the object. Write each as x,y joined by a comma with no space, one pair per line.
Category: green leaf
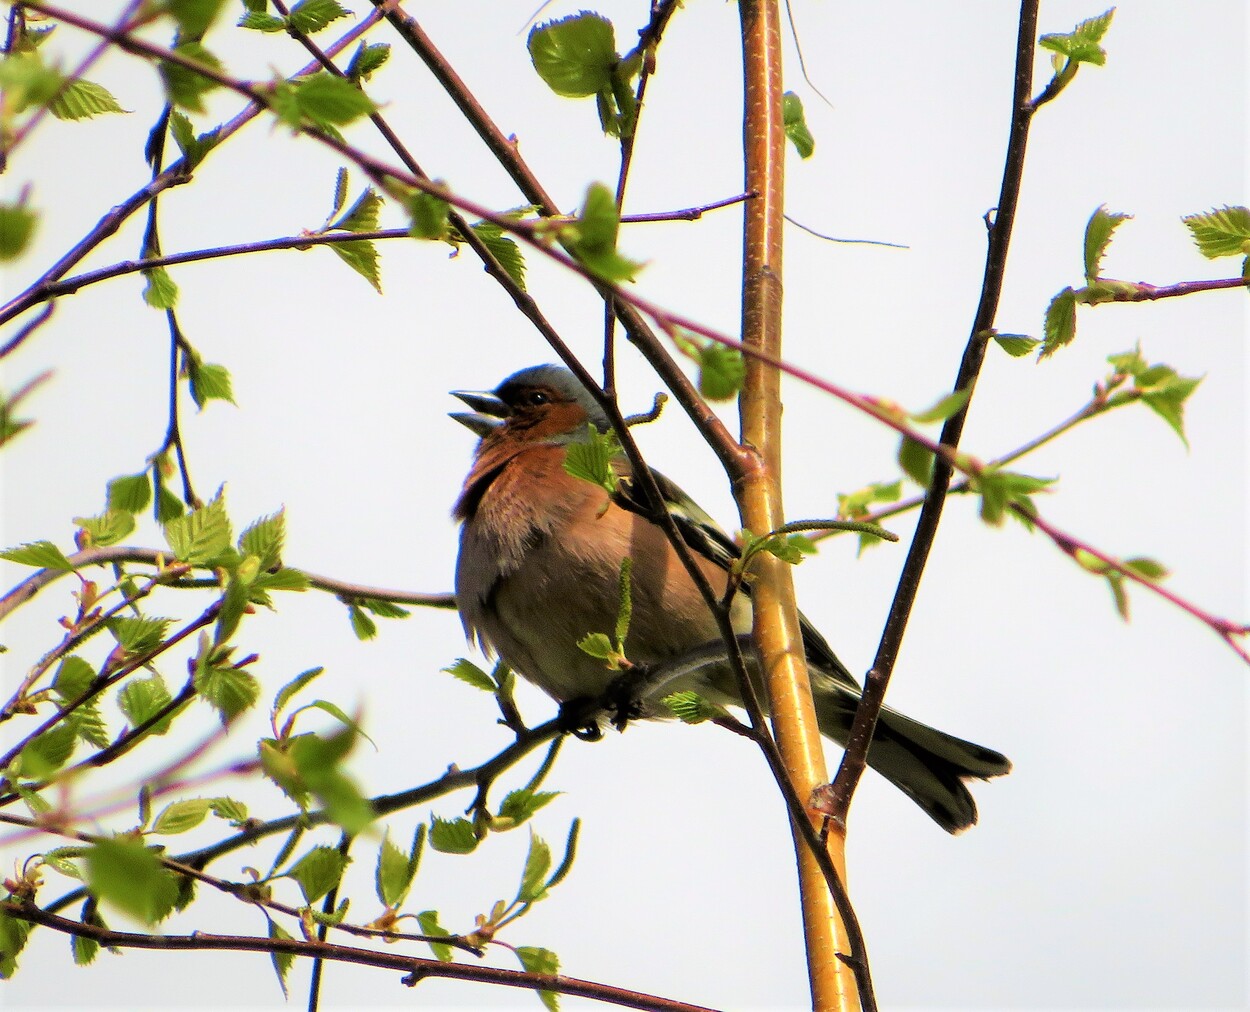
336,711
452,836
361,256
1000,490
1016,345
1223,232
130,493
185,87
916,461
13,934
504,249
1098,230
28,82
311,16
81,99
107,529
318,871
520,805
320,100
227,689
193,147
1149,569
591,239
796,125
471,674
363,216
856,504
258,21
168,505
194,17
17,226
181,816
74,676
1060,326
285,578
575,56
200,536
428,215
534,877
691,708
127,875
138,635
281,960
264,539
599,646
367,60
948,406
722,369
542,961
209,382
362,625
142,698
1169,403
40,554
382,608
428,919
592,460
291,688
1081,45
318,763
46,753
393,876
161,291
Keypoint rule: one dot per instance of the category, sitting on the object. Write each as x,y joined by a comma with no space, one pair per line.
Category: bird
539,568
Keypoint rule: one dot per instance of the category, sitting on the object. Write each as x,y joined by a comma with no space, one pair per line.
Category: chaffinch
539,569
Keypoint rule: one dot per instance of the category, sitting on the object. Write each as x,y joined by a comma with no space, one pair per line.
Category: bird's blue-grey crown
491,408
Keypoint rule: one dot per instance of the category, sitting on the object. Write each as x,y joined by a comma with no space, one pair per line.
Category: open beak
488,414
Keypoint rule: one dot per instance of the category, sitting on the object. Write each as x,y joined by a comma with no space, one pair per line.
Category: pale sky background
1109,870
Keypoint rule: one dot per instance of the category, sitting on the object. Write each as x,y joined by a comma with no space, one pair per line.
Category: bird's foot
578,717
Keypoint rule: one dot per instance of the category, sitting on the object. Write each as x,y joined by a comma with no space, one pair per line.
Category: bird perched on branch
540,565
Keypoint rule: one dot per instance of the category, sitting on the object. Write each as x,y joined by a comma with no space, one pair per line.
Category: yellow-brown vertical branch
758,493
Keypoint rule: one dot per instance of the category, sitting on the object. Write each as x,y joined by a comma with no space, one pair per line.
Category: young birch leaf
1016,345
796,125
545,962
161,291
1081,45
592,239
504,249
362,625
107,529
592,460
322,100
1060,325
181,816
575,56
291,688
1221,233
17,226
311,16
200,536
393,876
722,371
209,382
281,960
194,17
130,877
916,461
368,59
1169,402
227,689
184,87
259,21
130,493
471,674
264,539
520,805
1098,231
452,836
533,878
46,753
949,405
317,872
428,215
142,698
40,554
138,635
428,919
83,99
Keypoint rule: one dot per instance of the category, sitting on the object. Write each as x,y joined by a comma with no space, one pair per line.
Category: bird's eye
536,398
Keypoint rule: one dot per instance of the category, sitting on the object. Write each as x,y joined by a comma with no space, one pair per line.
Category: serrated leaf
428,215
228,690
855,504
141,699
597,645
200,536
542,961
1081,45
504,249
127,875
292,687
74,676
285,578
362,625
264,539
361,256
322,100
138,635
85,950
1016,345
107,529
40,554
949,405
428,919
318,763
81,99
13,934
796,125
592,460
367,60
382,608
363,216
452,836
168,506
209,382
393,876
916,461
181,816
311,16
185,87
471,674
17,226
691,708
1001,490
520,805
131,493
575,55
534,877
1221,232
591,239
1098,231
722,371
317,872
194,17
193,147
46,753
281,960
1060,325
258,21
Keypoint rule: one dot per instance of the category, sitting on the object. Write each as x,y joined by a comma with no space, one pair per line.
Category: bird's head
541,404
